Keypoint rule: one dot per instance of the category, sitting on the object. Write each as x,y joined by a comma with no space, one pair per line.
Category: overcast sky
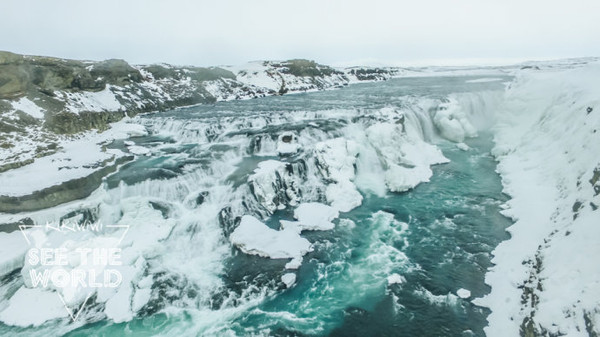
330,31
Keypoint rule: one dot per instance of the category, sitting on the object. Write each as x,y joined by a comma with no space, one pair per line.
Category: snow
12,251
547,146
33,306
295,263
463,293
288,279
77,157
29,107
406,156
315,216
104,100
255,238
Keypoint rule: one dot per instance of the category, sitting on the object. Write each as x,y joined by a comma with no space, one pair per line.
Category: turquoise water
438,236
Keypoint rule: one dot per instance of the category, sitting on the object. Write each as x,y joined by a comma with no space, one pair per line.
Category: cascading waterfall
203,173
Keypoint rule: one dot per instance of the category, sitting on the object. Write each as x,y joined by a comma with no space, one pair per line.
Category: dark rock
162,207
15,226
201,197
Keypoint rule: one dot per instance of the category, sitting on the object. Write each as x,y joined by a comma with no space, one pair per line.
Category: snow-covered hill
546,281
43,98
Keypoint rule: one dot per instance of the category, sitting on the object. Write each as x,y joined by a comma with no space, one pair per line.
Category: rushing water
438,236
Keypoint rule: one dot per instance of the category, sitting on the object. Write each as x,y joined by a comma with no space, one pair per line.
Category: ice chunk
463,293
288,279
254,237
294,264
315,216
139,150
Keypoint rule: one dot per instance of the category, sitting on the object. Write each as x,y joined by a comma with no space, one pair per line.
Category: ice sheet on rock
254,237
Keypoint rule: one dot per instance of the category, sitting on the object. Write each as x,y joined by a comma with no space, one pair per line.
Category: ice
463,293
336,160
315,216
139,150
288,279
78,158
406,157
452,122
295,263
254,237
287,144
266,180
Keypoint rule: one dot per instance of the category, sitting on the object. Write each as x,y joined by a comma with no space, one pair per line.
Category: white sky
217,32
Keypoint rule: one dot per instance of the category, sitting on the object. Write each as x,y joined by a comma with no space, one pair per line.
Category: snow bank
546,278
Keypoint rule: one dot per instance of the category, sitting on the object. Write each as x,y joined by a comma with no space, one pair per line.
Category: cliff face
545,281
43,98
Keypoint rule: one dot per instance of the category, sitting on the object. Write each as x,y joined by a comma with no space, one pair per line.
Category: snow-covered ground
546,280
